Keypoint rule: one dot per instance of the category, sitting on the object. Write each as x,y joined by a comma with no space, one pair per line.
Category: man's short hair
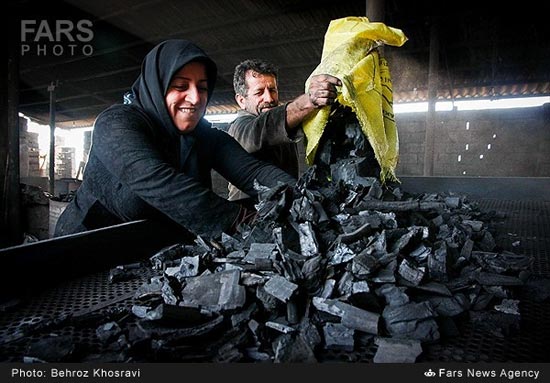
257,65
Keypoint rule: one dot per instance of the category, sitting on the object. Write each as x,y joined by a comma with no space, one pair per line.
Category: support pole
51,89
11,232
376,13
433,79
375,10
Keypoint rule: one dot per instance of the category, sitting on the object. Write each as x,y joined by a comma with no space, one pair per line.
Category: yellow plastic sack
350,53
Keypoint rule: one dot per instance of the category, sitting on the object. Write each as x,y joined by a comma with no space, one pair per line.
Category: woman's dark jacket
141,167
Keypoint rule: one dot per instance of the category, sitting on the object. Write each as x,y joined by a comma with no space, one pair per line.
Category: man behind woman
264,128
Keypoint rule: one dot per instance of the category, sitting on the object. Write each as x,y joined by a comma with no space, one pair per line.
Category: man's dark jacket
266,138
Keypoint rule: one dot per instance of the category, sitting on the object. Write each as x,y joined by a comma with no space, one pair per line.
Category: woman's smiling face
187,96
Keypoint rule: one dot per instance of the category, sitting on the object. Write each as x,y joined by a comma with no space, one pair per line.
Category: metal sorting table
524,230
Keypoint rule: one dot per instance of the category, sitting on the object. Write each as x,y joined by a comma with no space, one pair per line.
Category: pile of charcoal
327,265
337,262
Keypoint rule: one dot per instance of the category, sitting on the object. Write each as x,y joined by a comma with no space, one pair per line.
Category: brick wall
498,143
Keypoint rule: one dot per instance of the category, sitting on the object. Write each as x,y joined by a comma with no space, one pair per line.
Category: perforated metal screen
525,229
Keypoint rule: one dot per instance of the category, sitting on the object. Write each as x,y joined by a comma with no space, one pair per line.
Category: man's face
262,93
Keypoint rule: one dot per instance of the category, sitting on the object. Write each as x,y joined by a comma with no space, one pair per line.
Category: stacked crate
29,154
65,162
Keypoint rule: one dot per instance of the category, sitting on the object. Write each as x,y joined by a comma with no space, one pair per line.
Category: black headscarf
157,69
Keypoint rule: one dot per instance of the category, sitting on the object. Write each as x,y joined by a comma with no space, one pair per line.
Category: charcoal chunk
397,350
338,336
216,292
308,242
53,348
412,321
280,288
291,348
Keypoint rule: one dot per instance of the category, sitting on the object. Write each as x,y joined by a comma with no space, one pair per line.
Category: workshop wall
490,143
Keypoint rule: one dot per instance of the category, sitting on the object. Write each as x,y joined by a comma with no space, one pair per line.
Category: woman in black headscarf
152,159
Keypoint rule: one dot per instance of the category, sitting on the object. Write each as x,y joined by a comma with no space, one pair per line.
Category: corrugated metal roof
483,53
